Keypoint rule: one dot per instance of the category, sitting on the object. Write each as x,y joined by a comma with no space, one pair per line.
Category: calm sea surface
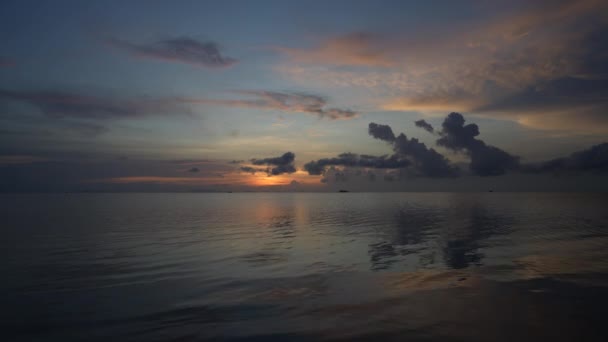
300,266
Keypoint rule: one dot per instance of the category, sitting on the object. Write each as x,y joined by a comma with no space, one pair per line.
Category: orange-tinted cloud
358,48
539,62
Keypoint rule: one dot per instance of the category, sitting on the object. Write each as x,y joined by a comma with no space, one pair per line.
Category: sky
303,96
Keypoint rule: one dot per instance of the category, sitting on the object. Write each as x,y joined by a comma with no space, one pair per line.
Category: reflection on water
170,267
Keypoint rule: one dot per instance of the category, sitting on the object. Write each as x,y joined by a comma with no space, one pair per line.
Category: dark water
356,266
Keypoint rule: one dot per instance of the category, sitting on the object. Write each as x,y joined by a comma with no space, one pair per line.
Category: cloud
286,159
427,161
86,129
362,180
59,104
277,165
407,153
358,48
486,160
20,159
181,50
194,169
281,169
566,103
190,161
318,167
252,170
425,125
288,102
545,60
382,132
594,159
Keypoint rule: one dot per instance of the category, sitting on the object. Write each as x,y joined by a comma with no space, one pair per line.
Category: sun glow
260,179
231,179
265,180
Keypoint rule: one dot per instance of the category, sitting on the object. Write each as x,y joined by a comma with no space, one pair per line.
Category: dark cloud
180,49
279,165
285,159
252,170
427,161
555,94
408,152
59,104
361,179
335,175
353,160
194,169
594,159
289,102
336,113
425,125
236,161
382,132
486,160
281,169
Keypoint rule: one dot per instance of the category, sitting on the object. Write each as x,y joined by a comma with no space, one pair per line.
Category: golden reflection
424,280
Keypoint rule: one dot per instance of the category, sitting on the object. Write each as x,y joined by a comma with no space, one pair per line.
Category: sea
304,267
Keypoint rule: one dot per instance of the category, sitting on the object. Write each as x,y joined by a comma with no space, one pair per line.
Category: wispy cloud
359,48
288,102
180,50
67,104
21,159
86,129
542,60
